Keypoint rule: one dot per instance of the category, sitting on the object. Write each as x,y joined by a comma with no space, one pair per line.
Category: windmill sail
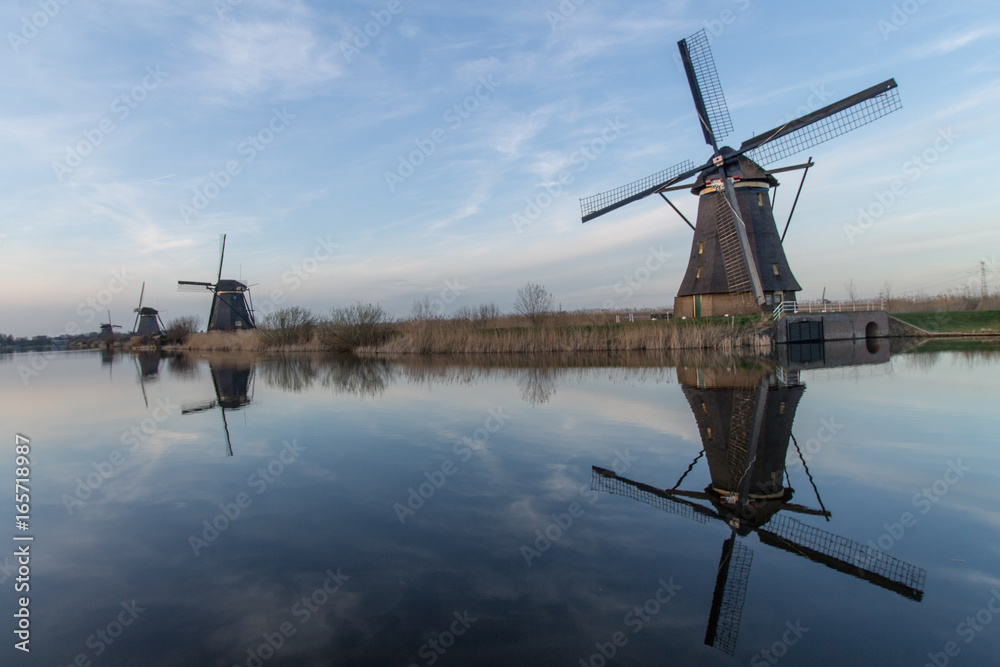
601,203
709,102
844,555
824,124
607,481
836,552
729,596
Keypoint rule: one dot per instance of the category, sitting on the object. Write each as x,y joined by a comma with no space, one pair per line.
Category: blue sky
390,166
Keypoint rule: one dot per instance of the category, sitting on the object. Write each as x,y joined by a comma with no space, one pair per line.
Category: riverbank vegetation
367,330
964,321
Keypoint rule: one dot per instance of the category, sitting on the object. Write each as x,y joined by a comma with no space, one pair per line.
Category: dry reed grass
454,338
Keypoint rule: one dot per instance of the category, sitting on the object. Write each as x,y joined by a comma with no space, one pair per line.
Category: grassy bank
465,338
447,338
963,321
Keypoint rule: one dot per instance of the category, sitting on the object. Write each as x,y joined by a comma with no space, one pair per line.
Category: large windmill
230,309
745,421
737,264
147,320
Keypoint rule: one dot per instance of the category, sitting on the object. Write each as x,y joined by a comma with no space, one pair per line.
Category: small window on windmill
774,267
701,247
760,199
704,408
781,408
709,430
698,273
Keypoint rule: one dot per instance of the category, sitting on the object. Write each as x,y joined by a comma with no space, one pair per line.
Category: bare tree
852,289
534,302
287,326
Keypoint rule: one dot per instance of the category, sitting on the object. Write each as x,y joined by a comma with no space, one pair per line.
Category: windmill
147,320
107,333
745,421
737,263
232,381
230,310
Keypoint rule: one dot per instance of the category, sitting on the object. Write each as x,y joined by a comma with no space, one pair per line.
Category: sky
389,151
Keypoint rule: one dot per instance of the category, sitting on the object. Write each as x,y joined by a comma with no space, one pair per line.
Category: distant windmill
230,310
108,330
745,421
147,320
737,264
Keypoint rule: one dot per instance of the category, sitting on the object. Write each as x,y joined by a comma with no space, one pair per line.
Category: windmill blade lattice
825,124
706,87
845,555
601,203
191,286
608,482
729,597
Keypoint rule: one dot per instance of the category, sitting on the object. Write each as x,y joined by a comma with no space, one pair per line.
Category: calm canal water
583,511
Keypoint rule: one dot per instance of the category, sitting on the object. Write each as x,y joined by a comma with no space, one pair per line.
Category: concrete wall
856,325
833,354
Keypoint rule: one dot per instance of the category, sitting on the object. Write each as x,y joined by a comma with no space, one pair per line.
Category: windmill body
147,320
230,311
107,332
148,324
232,307
737,264
707,286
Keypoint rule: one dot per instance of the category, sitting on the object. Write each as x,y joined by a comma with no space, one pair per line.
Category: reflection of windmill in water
233,390
147,364
745,420
108,355
230,309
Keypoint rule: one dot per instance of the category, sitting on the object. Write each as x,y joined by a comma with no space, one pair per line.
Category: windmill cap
230,286
736,166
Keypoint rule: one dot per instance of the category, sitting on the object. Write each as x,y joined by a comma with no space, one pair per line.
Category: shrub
287,326
360,325
179,328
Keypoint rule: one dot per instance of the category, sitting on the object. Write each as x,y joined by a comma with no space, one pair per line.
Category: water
440,513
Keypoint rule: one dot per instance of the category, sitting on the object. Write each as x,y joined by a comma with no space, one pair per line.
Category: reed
449,337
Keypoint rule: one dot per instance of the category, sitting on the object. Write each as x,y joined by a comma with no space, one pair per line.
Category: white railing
827,306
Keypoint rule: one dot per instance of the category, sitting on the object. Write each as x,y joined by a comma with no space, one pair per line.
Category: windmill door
697,305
